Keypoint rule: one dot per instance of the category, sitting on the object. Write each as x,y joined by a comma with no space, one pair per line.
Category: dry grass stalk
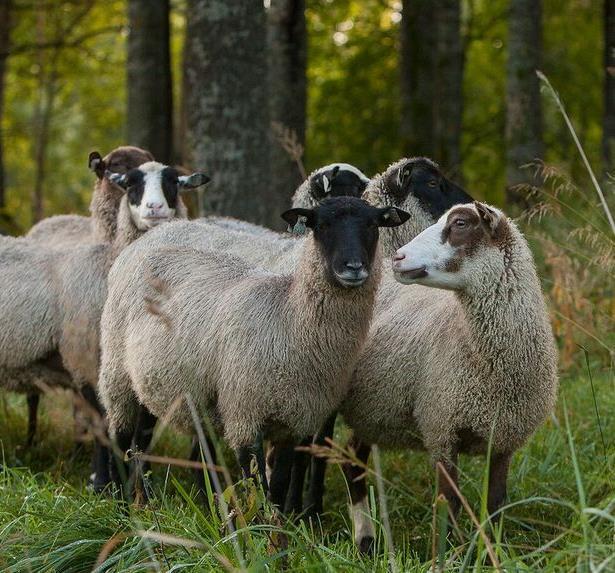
289,141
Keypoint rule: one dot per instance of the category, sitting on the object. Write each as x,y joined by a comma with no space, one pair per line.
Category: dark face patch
423,179
465,231
345,230
135,186
170,185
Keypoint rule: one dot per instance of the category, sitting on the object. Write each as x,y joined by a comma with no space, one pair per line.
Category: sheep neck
332,307
105,206
507,318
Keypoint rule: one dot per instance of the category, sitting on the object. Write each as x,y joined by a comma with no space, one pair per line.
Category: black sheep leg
101,456
294,498
318,468
245,455
33,402
498,474
280,474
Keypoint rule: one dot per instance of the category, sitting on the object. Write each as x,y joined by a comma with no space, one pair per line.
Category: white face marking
346,167
362,522
153,208
325,183
424,260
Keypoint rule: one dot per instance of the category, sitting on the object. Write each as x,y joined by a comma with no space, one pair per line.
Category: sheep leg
281,473
33,401
318,468
498,472
355,476
294,498
100,460
444,486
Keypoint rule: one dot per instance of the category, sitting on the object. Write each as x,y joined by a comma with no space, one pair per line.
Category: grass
561,513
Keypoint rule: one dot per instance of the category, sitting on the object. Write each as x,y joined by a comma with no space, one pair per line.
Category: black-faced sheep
259,353
450,370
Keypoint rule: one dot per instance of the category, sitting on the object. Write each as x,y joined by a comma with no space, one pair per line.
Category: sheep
51,299
65,230
451,370
332,180
260,353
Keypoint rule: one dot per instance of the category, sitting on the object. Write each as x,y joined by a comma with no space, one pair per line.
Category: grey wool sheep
51,299
445,368
65,230
261,354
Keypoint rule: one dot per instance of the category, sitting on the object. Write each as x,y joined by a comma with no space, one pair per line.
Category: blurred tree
287,93
448,97
432,59
608,136
149,87
4,52
523,107
419,40
227,107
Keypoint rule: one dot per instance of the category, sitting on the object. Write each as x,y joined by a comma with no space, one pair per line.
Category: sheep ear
117,178
193,181
298,220
96,164
392,217
403,174
489,218
334,172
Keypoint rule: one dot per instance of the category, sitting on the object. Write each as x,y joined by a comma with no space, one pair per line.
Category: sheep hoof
366,545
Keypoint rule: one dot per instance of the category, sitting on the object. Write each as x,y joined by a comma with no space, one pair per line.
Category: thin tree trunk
523,107
608,136
227,110
287,92
448,99
5,24
149,85
418,69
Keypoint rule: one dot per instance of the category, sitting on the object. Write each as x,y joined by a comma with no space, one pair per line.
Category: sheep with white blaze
453,370
51,299
261,354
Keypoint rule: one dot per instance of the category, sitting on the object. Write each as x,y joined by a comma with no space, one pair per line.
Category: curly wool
257,351
441,369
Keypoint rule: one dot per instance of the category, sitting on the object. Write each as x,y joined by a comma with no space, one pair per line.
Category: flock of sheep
269,335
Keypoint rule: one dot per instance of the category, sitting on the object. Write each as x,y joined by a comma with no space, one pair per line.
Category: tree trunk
448,99
149,86
432,61
523,107
418,69
4,49
287,95
608,135
227,110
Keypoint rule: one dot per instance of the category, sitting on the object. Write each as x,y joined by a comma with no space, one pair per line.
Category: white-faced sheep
450,370
51,299
259,353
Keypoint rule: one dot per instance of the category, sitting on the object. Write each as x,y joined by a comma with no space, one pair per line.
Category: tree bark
432,62
287,93
418,69
4,49
227,110
149,85
523,107
448,99
608,135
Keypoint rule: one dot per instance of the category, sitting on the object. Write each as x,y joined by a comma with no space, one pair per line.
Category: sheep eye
460,223
432,183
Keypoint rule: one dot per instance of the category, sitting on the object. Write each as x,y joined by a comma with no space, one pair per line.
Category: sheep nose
156,206
398,257
354,265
